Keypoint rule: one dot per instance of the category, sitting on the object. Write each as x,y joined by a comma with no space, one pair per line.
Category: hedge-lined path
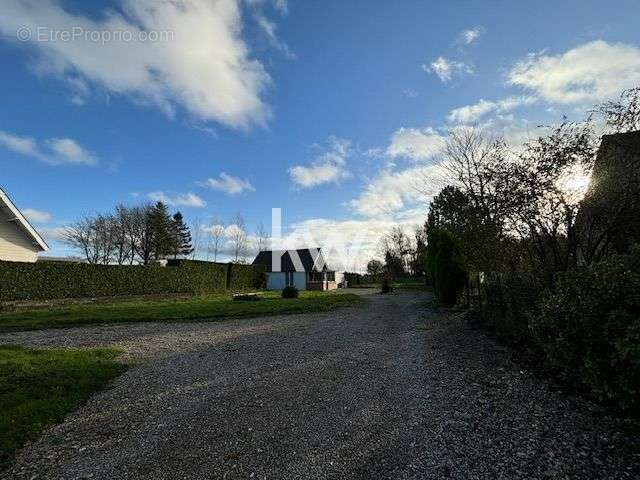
388,389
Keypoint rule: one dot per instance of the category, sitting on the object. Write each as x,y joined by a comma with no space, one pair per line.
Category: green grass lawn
197,308
39,387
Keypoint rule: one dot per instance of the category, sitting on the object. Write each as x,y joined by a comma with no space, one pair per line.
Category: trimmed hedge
51,280
246,276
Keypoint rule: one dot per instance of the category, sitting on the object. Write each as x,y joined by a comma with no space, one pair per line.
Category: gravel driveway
389,389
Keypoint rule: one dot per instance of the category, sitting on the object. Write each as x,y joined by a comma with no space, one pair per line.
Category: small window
315,276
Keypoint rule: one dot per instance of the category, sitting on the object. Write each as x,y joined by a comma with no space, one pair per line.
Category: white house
19,241
305,269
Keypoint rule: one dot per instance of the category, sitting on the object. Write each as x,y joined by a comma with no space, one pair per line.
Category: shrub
386,286
289,292
590,327
445,266
508,301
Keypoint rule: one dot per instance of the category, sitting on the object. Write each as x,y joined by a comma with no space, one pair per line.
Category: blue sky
331,110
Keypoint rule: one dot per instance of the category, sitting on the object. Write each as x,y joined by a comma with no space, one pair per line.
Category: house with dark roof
608,220
19,241
305,269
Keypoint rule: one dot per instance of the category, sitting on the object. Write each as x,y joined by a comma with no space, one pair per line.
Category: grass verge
197,308
38,387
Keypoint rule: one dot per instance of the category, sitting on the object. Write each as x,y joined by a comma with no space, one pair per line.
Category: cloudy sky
330,110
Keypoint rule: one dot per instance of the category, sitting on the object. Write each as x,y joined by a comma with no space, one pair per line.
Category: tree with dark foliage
182,236
161,224
374,268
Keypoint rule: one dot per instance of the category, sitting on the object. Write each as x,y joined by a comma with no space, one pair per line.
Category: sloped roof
618,150
311,259
21,221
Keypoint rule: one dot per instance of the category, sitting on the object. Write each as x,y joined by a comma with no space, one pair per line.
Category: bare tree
395,247
124,245
471,159
104,237
623,115
196,229
536,206
238,238
262,238
94,237
140,233
216,237
81,236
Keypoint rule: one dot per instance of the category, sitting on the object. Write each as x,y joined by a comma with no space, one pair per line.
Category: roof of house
618,157
619,148
311,259
627,139
21,221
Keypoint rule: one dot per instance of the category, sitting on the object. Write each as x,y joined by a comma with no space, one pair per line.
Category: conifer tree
161,225
182,244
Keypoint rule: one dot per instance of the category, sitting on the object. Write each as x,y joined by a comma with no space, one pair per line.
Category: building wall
277,280
300,280
15,245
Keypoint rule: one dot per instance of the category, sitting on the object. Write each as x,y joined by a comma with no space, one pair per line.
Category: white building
19,241
305,269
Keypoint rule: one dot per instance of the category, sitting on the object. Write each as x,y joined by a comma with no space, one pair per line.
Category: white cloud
328,167
269,29
229,184
315,175
472,113
22,145
393,191
201,63
53,234
54,151
591,72
69,150
179,200
469,36
281,5
36,216
414,143
446,69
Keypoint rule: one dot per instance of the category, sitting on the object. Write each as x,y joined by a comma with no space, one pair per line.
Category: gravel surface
388,389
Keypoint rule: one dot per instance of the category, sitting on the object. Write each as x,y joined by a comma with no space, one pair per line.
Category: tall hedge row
55,280
246,276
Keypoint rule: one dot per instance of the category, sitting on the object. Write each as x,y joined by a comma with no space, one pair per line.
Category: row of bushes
53,280
587,326
590,327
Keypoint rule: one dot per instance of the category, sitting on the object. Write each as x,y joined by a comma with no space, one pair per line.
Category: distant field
212,307
39,387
